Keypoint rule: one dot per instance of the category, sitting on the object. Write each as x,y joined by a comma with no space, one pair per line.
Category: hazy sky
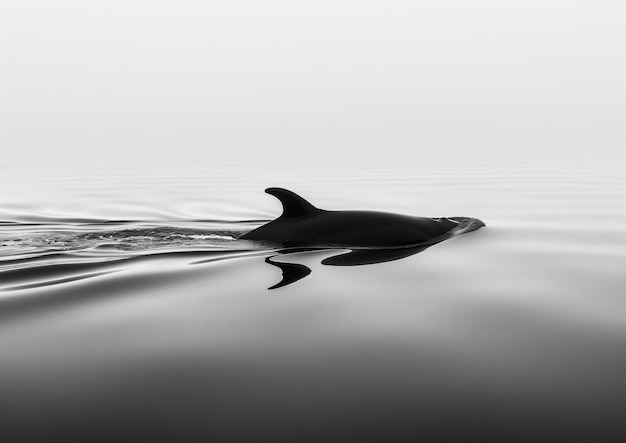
161,81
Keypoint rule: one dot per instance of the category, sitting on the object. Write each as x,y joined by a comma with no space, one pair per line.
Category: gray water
130,310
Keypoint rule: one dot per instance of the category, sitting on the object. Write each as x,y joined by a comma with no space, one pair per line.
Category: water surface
129,305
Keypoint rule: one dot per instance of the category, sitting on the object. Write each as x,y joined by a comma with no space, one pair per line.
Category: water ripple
42,254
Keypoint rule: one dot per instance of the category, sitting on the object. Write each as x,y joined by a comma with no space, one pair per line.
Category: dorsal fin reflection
292,272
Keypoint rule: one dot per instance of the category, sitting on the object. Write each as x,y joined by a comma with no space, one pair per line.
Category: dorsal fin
293,204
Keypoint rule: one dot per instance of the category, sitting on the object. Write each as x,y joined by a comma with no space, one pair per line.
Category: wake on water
42,253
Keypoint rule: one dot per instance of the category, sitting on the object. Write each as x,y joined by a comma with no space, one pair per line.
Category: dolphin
303,225
369,236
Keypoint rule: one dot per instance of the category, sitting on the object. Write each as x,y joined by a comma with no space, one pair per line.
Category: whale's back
352,228
302,224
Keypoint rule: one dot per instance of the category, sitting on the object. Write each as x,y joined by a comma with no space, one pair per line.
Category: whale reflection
292,272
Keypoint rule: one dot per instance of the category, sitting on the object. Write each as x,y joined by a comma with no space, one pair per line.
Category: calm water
130,308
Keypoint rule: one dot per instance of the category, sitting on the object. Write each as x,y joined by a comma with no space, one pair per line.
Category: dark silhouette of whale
370,236
302,224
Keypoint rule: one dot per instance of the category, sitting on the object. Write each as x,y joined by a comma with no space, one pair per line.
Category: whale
301,224
368,236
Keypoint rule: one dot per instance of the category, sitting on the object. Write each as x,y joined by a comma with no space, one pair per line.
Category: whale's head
467,224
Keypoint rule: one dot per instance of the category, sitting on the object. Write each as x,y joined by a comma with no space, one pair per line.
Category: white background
157,83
